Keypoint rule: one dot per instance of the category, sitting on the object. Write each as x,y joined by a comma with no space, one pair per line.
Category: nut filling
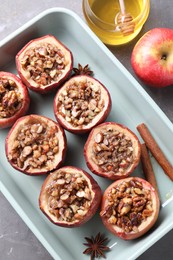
112,151
35,146
44,64
80,102
69,196
10,98
128,205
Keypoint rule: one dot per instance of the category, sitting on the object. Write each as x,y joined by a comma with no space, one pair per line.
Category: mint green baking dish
129,101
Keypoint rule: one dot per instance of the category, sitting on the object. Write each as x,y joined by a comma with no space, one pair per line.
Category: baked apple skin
82,103
129,211
112,151
14,99
35,145
44,64
69,197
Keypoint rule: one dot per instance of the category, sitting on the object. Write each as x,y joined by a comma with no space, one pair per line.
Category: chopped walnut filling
35,146
128,205
112,150
44,64
10,98
80,102
69,196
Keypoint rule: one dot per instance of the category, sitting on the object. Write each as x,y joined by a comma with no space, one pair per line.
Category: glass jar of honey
101,16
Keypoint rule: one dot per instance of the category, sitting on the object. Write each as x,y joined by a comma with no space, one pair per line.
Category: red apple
69,197
44,63
106,150
152,57
14,99
35,145
130,207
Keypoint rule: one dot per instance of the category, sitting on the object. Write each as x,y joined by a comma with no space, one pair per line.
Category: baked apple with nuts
69,197
81,103
35,145
44,64
130,207
112,151
14,99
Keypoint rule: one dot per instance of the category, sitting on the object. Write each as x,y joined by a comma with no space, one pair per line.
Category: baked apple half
69,197
112,151
44,63
130,207
14,99
81,103
35,145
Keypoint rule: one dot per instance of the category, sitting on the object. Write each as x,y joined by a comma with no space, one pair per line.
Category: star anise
96,246
82,70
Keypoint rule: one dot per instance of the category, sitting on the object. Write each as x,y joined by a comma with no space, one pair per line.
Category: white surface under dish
131,106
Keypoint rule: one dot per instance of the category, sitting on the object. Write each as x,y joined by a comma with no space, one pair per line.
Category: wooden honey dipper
124,20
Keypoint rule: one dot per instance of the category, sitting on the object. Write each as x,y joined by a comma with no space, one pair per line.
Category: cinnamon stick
155,150
147,167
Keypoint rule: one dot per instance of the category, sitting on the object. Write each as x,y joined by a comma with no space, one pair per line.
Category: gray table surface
17,242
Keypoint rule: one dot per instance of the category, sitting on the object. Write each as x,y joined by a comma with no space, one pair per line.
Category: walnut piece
112,151
10,98
44,63
80,102
127,207
35,146
69,196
